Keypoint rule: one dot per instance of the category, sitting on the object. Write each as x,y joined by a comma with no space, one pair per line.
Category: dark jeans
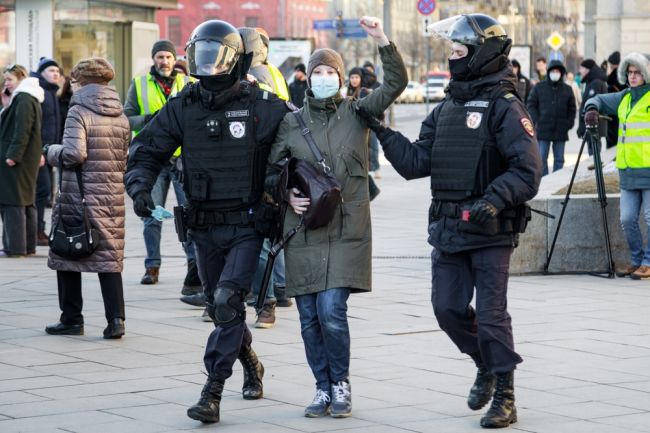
486,330
226,255
71,302
18,229
558,154
326,335
43,193
277,277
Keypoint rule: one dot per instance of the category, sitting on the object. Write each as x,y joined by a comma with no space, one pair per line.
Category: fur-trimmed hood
634,59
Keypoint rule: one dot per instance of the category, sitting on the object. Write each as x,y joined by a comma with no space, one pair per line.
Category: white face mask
324,86
555,76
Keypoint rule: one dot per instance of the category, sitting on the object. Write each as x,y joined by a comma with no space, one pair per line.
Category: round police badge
237,129
473,119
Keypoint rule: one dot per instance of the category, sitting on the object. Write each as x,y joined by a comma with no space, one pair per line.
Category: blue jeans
326,335
153,227
631,202
558,154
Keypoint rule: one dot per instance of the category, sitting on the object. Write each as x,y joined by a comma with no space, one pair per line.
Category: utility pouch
179,223
523,215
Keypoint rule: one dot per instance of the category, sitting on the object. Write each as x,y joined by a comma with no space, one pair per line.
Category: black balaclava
459,68
217,83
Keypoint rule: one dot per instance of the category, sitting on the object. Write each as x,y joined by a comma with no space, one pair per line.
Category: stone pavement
585,341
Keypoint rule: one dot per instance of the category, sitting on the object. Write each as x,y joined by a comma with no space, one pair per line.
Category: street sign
426,21
324,24
354,33
426,7
555,41
351,27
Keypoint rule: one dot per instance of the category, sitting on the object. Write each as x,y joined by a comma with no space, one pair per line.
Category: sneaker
320,405
266,317
641,273
627,270
341,399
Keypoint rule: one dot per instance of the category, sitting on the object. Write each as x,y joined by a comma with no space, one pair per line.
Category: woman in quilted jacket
96,137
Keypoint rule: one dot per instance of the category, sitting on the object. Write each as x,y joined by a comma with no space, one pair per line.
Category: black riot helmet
486,39
213,49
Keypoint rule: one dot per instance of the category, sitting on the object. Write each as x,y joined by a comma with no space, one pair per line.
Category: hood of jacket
468,90
31,87
99,99
253,44
595,73
635,59
46,85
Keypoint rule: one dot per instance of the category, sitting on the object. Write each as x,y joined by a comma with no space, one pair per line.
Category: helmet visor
206,58
460,28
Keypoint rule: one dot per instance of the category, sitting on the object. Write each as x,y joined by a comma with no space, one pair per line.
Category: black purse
73,242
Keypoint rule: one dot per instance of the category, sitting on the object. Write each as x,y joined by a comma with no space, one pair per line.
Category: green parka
340,254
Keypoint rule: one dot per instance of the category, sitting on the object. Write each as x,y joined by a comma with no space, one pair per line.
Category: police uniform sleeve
515,140
153,147
270,110
279,150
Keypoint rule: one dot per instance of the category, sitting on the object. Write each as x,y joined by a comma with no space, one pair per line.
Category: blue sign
354,33
426,7
324,24
556,55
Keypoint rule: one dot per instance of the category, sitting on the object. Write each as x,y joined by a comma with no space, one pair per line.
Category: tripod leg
602,199
564,204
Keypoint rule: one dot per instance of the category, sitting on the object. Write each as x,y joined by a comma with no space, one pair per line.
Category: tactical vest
464,157
223,163
633,133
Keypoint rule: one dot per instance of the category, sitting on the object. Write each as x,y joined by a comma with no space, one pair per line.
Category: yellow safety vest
633,148
151,97
279,85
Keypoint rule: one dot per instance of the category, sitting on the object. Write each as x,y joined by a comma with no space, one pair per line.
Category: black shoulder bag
73,242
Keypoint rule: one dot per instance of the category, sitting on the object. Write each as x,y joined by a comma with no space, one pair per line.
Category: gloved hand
482,212
46,147
591,119
373,123
581,131
142,204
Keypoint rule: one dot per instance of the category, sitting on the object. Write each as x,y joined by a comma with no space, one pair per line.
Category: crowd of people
217,127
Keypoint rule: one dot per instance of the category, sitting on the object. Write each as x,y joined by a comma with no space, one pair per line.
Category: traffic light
339,25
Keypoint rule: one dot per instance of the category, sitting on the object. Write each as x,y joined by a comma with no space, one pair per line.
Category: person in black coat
523,83
299,86
595,83
552,107
613,86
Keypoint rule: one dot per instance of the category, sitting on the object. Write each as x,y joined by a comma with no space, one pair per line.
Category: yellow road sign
555,41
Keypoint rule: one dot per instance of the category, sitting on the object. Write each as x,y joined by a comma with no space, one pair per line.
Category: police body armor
224,165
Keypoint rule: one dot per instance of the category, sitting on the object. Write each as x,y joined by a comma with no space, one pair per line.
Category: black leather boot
253,373
502,412
207,408
192,283
115,328
482,390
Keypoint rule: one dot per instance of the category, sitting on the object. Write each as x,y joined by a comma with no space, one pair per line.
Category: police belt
455,210
204,218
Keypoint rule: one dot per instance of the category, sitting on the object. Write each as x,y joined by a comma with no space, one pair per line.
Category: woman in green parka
325,265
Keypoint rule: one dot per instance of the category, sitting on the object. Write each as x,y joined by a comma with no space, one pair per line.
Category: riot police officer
225,127
479,148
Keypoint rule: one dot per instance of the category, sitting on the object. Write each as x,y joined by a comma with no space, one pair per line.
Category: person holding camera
632,154
326,264
478,147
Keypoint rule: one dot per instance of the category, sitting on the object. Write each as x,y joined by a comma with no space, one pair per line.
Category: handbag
320,186
73,242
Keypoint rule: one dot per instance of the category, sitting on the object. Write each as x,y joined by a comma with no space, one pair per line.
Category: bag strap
311,142
78,173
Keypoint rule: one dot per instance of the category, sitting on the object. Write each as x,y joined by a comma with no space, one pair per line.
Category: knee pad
227,307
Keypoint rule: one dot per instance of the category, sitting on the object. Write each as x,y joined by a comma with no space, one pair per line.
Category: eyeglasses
637,73
74,81
12,68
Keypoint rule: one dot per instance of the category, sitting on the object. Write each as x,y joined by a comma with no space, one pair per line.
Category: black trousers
71,302
43,191
486,330
226,255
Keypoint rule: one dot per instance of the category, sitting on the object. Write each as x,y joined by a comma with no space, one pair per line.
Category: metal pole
426,80
387,30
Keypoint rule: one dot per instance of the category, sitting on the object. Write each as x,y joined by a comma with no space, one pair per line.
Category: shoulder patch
509,96
528,126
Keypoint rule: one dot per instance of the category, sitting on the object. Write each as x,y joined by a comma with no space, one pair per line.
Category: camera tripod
592,136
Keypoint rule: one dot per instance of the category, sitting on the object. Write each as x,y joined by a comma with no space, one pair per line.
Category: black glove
46,147
481,212
581,131
373,123
591,119
142,204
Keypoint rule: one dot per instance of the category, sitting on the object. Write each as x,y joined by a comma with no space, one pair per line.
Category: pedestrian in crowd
225,128
540,68
613,86
552,108
369,81
96,139
595,83
523,83
631,105
299,85
479,148
268,76
181,67
571,80
48,75
325,265
20,157
147,94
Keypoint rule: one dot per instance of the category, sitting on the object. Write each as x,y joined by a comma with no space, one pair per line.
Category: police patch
528,126
238,113
237,129
479,104
473,119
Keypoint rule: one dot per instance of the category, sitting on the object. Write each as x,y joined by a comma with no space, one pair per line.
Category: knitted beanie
588,63
45,63
94,70
614,58
329,57
163,45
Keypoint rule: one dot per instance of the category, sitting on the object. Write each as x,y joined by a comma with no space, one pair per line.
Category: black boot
207,408
253,373
192,284
483,388
502,412
281,296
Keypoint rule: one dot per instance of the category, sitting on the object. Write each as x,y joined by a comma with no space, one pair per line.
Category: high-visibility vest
279,85
151,98
633,148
